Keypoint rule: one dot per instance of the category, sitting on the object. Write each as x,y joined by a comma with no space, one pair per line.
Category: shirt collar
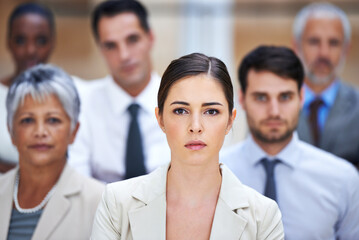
290,155
328,95
145,99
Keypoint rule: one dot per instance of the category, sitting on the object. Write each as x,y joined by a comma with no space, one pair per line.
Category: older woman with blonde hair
44,198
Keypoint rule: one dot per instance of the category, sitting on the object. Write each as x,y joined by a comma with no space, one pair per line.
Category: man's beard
259,135
323,80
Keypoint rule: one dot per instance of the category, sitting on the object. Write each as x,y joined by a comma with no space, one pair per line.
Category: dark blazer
340,135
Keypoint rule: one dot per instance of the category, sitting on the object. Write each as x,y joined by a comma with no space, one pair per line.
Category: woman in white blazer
194,197
44,198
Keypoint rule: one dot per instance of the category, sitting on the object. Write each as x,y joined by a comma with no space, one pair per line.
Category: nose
196,125
274,108
30,49
40,130
324,50
124,52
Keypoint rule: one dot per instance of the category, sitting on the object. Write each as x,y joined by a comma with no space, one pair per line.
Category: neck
318,88
39,178
273,148
193,182
135,89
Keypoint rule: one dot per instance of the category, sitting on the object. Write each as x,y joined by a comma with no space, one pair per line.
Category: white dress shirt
100,146
317,192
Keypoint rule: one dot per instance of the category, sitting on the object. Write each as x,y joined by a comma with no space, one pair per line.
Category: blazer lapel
58,206
228,223
303,129
6,193
340,107
149,221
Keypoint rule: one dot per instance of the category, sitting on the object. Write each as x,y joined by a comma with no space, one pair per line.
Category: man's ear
159,119
241,96
295,46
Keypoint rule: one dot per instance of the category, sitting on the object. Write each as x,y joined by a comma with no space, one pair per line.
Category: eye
133,38
41,41
20,40
285,97
313,41
180,111
334,42
211,112
26,120
53,120
261,98
109,45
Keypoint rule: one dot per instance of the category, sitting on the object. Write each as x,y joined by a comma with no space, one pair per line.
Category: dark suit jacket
340,134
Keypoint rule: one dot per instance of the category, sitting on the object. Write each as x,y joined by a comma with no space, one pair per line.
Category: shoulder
327,163
230,153
261,213
348,92
74,182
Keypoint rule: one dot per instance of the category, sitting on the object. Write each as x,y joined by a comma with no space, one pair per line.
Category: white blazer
136,209
69,213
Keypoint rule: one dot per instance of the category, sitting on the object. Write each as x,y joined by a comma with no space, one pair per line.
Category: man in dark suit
330,114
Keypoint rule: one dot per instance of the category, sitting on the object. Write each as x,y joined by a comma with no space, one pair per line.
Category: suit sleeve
271,226
107,219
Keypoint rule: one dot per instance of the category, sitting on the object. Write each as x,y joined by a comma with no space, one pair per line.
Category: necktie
313,119
134,152
270,188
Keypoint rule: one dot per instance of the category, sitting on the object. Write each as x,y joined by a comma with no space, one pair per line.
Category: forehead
50,101
119,26
325,27
201,88
30,22
270,83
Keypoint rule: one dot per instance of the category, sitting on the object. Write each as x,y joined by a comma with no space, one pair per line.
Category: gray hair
320,10
41,81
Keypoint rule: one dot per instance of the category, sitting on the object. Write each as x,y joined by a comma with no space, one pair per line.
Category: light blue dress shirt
328,96
317,192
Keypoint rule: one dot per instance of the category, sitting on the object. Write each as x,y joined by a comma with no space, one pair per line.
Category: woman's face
42,131
195,119
31,41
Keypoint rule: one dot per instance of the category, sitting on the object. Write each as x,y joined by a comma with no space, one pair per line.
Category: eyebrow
203,104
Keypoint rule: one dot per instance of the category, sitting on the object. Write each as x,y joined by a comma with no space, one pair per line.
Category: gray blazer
69,213
340,135
136,209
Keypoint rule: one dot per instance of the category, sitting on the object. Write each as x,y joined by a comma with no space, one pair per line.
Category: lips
195,145
40,147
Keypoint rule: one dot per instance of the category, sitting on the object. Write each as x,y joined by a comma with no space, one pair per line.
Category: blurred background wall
227,29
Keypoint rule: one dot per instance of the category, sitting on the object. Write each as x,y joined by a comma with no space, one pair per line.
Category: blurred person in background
119,136
330,115
44,198
317,192
30,40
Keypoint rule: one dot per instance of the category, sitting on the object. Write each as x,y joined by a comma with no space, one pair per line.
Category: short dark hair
31,8
281,61
112,8
192,65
